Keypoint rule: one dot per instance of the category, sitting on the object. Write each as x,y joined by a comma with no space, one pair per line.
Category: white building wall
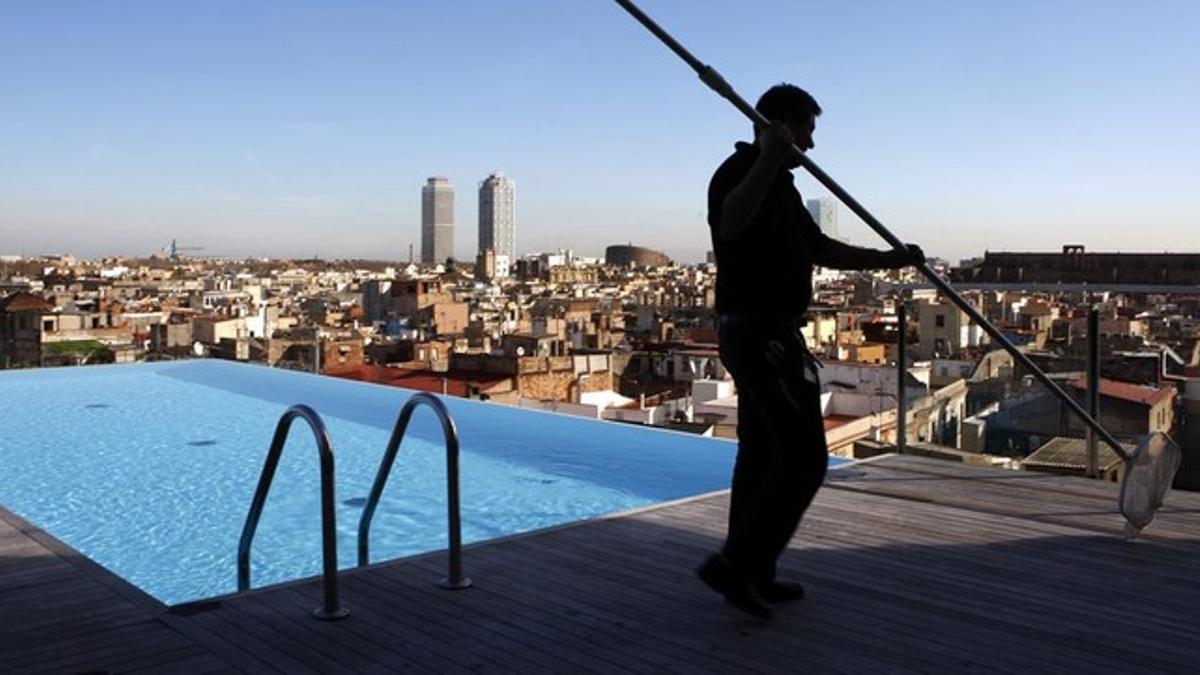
562,407
711,390
503,266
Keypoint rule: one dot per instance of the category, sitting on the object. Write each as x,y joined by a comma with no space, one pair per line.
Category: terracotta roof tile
456,383
835,421
1125,391
23,302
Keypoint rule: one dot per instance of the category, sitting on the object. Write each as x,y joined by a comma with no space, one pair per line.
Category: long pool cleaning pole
713,79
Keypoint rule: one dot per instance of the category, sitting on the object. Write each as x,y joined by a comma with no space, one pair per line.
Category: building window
939,321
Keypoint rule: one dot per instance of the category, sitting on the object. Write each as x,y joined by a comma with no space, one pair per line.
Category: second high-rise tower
498,216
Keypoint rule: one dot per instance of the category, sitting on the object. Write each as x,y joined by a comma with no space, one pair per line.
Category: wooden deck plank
969,604
675,568
701,614
456,611
152,657
265,644
965,526
57,613
969,595
996,568
479,636
212,633
933,618
601,579
1048,483
97,650
403,600
193,664
912,565
389,621
588,612
368,637
329,651
1073,501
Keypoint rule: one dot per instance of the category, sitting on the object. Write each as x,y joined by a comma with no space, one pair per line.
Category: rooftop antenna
1156,459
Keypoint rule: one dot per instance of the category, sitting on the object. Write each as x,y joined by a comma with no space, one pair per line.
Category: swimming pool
149,469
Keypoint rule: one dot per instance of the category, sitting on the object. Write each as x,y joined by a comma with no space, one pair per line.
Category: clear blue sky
300,128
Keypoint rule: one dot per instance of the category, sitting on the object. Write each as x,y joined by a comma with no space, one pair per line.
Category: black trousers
782,456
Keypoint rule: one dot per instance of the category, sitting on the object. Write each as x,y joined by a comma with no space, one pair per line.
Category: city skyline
963,128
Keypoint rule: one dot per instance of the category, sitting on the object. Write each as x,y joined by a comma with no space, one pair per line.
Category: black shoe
716,572
747,599
780,591
720,576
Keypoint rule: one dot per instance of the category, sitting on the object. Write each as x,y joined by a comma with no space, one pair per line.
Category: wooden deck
911,565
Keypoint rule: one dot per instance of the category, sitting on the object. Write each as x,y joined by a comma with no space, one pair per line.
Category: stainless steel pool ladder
332,608
455,580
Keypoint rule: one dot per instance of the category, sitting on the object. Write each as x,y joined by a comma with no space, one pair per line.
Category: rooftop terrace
912,564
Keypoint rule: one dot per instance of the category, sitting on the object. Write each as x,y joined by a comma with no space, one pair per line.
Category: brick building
21,329
1076,266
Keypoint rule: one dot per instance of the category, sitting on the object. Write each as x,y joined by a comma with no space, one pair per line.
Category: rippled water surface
149,469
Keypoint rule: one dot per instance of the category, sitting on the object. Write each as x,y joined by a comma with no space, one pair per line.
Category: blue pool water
149,469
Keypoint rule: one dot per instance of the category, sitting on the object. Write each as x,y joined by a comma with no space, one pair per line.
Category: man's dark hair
785,101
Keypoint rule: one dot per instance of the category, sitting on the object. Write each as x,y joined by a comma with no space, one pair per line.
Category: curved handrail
456,580
332,608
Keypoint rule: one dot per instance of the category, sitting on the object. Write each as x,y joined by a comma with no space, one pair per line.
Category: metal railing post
316,351
332,608
901,376
455,580
1093,388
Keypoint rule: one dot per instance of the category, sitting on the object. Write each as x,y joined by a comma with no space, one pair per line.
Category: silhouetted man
766,244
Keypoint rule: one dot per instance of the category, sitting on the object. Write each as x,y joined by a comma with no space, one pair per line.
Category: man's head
794,107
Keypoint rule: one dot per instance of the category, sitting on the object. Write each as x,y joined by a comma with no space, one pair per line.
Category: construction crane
174,250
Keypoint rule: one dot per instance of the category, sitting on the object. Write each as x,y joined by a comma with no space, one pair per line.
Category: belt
794,324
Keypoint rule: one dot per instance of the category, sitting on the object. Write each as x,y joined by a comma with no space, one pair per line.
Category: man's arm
746,198
841,256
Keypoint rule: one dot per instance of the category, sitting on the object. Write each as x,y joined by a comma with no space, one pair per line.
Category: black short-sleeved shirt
767,269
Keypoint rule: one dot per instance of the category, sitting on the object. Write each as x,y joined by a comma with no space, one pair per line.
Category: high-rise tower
437,220
824,214
498,216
